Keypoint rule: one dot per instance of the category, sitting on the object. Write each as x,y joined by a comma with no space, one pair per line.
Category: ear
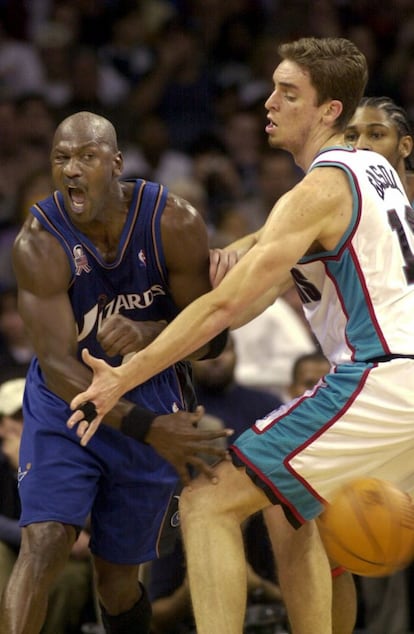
118,163
405,145
332,110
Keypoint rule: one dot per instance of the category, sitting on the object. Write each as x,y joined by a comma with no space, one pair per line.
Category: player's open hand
176,438
101,396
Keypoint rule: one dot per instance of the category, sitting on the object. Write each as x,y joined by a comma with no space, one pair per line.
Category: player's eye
351,137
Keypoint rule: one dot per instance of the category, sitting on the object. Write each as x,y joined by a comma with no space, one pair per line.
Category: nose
72,167
271,102
363,143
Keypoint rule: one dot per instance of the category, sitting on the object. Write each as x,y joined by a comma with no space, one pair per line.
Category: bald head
89,125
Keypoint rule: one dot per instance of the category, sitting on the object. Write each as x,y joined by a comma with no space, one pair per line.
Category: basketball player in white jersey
345,235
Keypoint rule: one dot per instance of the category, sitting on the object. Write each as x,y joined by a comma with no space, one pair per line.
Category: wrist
137,422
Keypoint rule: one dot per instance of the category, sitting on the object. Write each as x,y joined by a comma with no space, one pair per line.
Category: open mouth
78,199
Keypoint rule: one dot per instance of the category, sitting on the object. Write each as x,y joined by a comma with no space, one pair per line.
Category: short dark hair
337,69
395,115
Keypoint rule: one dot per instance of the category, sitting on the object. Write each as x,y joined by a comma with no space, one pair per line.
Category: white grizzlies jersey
359,298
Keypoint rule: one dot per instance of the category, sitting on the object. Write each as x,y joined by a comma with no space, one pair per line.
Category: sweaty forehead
80,132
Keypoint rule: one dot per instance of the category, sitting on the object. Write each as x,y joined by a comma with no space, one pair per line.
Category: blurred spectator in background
148,152
223,396
15,349
55,42
244,142
93,86
277,173
36,186
73,589
130,49
306,371
216,171
11,159
180,87
268,345
21,70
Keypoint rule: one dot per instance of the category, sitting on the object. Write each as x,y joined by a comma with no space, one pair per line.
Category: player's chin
273,142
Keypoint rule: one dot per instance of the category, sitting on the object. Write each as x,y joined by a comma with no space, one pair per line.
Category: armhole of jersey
39,213
356,211
159,198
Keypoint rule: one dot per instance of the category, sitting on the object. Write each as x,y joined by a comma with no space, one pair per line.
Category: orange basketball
369,527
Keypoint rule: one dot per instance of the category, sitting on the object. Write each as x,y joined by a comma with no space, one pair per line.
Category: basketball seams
369,527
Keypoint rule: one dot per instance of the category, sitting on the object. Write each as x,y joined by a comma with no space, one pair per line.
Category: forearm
255,309
197,324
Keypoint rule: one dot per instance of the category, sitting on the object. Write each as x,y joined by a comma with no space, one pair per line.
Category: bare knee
198,500
234,495
46,546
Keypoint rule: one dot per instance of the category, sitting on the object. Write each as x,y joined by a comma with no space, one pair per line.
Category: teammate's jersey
135,284
359,298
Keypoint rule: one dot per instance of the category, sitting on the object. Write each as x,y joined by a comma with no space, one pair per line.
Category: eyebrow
368,125
62,144
286,84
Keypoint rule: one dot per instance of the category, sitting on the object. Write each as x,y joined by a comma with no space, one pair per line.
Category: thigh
134,514
58,479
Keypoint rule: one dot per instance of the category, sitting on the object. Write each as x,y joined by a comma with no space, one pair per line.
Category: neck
305,156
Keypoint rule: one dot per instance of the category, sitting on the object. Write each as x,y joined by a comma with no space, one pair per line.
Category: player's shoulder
180,214
34,245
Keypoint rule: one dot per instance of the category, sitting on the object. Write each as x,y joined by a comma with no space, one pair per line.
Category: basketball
369,527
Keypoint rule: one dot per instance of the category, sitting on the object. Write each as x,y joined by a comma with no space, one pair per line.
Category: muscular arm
185,242
43,278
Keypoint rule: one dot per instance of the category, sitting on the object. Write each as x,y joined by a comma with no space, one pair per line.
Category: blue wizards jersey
134,284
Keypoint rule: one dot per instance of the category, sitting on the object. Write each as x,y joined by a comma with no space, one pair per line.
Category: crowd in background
184,82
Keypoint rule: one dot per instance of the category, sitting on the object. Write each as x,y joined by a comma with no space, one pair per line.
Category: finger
80,398
90,360
82,427
90,431
214,260
76,418
222,433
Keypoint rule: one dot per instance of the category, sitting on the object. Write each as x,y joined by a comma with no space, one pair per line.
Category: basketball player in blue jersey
344,233
106,264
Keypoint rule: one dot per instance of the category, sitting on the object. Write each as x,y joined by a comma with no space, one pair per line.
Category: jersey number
407,254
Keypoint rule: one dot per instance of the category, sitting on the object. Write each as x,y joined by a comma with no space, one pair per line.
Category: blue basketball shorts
129,492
